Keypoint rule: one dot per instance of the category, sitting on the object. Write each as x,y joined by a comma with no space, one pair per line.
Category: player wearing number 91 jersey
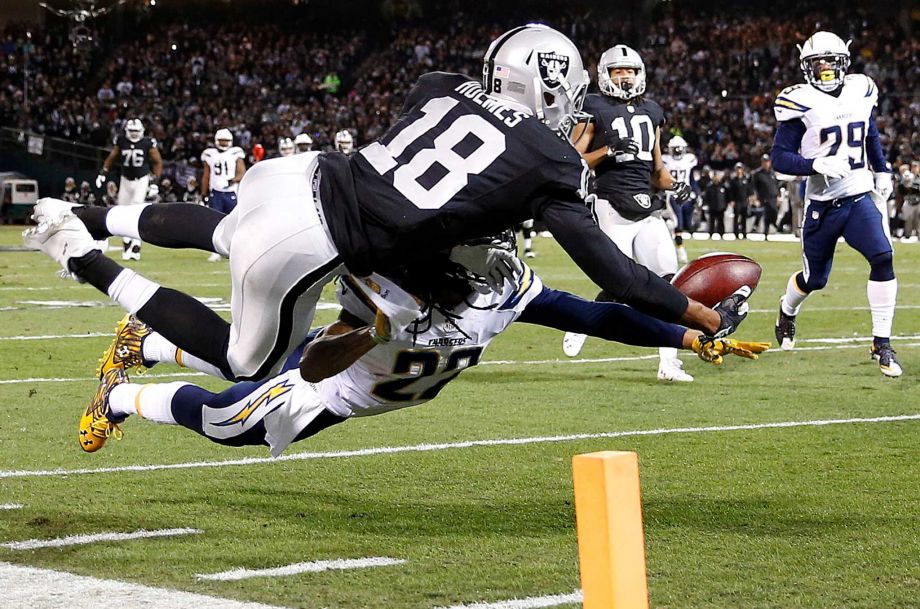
826,131
464,160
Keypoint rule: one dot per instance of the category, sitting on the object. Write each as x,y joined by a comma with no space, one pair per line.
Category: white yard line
316,566
495,362
10,506
78,540
47,589
422,448
533,602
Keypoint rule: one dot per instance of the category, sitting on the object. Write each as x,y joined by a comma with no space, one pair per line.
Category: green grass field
806,516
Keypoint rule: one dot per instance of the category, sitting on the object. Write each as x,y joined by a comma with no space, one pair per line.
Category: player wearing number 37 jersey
827,131
463,160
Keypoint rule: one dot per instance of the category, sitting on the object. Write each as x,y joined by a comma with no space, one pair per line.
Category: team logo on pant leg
643,200
246,413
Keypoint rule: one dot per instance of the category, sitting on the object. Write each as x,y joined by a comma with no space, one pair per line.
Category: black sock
179,225
878,341
95,269
190,325
94,219
605,296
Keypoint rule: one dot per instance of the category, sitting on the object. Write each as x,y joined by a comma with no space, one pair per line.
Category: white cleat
672,370
215,257
60,240
51,210
572,343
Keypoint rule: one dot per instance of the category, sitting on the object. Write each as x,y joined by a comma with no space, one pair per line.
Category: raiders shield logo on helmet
553,68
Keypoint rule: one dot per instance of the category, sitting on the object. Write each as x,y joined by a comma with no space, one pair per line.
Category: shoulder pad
862,85
237,152
691,159
791,103
208,152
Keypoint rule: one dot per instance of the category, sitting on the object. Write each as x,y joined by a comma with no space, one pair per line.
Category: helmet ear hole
548,98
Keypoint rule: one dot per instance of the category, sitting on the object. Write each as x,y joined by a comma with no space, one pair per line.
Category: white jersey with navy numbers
223,167
680,167
414,366
833,126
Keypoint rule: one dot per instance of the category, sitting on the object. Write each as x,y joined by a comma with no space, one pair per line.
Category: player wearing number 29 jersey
464,160
826,130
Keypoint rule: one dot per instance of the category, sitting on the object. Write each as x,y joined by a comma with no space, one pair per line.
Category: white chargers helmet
620,87
223,139
285,146
134,130
824,59
344,143
539,70
303,142
677,146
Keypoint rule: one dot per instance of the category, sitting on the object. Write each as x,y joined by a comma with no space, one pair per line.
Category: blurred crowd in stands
715,76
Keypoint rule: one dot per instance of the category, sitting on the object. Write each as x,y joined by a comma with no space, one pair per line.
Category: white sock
130,290
122,220
667,353
187,360
156,348
152,401
882,296
794,297
528,242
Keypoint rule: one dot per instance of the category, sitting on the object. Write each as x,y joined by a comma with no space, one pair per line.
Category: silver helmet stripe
491,59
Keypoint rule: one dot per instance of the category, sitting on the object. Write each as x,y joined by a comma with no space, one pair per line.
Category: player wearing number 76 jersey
826,131
465,159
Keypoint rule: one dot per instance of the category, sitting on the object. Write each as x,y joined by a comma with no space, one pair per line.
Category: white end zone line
533,602
317,566
47,589
77,540
422,448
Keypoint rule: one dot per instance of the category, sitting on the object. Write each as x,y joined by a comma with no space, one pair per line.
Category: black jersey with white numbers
458,165
134,160
625,174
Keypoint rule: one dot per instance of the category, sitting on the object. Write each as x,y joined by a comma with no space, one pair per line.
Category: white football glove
396,307
494,264
833,167
884,184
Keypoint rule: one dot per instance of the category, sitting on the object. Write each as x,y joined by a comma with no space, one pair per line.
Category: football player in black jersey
137,157
465,159
621,143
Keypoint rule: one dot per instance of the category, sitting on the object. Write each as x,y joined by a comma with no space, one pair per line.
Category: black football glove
622,145
733,310
681,191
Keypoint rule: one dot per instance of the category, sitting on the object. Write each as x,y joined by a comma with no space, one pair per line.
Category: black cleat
785,329
887,362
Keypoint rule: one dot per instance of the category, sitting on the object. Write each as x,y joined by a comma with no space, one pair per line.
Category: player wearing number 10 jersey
826,130
464,160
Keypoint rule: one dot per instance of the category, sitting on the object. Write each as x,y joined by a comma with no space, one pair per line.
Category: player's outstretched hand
733,310
494,264
712,349
681,191
833,167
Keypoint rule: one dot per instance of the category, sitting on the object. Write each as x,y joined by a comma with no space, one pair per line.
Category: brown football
712,278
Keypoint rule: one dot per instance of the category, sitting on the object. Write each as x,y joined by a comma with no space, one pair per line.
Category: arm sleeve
579,235
785,153
874,149
609,321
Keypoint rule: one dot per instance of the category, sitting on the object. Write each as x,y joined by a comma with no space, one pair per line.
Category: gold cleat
125,350
96,424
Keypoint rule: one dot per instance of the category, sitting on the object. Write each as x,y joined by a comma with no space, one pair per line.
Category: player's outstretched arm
577,232
341,345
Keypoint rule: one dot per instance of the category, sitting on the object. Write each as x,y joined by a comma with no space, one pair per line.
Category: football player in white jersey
359,366
223,169
826,131
680,165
